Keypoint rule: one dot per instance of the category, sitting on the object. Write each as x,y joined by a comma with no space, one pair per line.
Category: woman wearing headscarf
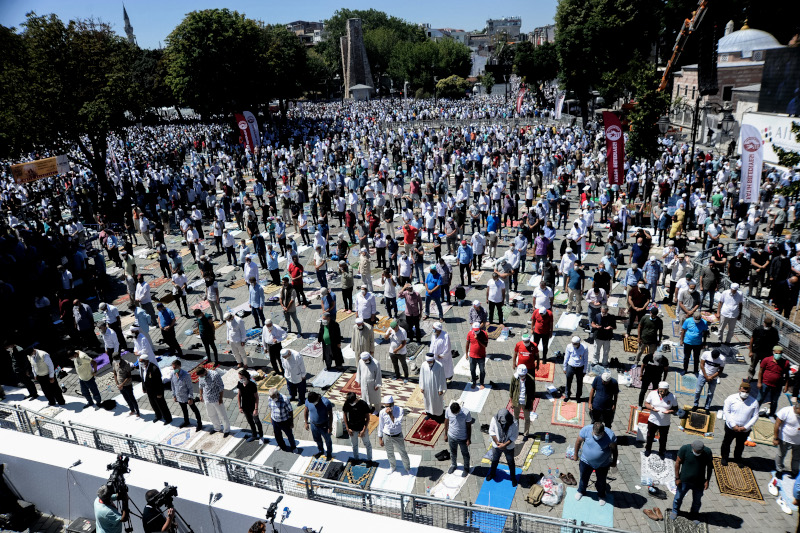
503,431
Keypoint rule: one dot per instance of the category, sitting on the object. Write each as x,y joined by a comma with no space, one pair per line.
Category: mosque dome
746,41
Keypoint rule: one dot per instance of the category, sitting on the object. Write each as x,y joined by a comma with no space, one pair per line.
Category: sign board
41,168
775,130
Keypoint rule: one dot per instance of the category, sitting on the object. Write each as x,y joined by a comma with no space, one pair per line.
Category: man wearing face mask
413,311
638,300
124,380
693,468
729,311
319,417
458,433
366,306
741,413
711,365
772,378
248,405
603,326
153,386
576,365
661,403
356,423
390,434
787,438
526,353
503,430
522,392
433,385
294,370
651,331
694,332
398,339
183,393
368,377
330,336
363,338
603,399
440,348
599,445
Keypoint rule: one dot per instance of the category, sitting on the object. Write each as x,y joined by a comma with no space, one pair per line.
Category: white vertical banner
562,95
253,124
752,160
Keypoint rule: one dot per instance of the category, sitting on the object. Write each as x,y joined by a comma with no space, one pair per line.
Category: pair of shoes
212,431
465,472
773,486
451,469
694,408
489,476
724,461
167,422
199,426
784,507
513,481
647,453
156,420
184,425
566,399
329,457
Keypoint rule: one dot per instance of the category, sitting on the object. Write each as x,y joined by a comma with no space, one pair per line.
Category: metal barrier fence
449,514
754,311
513,121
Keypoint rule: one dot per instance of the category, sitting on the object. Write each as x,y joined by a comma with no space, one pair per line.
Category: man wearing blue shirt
694,332
256,301
464,255
166,321
576,365
599,446
433,284
319,417
492,222
272,265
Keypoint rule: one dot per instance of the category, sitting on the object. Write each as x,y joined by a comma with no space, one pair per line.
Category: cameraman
106,516
153,519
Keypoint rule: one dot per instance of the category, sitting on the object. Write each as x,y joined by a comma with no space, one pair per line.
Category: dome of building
747,40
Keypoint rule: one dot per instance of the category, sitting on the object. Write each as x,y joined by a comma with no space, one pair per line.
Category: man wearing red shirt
526,353
773,375
542,328
409,234
296,272
477,341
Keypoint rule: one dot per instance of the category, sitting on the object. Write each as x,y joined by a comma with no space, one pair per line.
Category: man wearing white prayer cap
368,377
390,434
522,391
576,365
661,403
603,399
433,384
440,348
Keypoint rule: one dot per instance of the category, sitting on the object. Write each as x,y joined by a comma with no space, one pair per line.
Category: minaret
128,27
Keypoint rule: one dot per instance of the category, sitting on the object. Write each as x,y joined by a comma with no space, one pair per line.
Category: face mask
641,287
324,322
743,395
777,357
696,454
364,292
360,327
527,343
243,381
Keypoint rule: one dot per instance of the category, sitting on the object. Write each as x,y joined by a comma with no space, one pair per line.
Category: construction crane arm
689,26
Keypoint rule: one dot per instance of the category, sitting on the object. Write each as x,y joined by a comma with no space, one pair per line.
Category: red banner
615,148
244,131
520,97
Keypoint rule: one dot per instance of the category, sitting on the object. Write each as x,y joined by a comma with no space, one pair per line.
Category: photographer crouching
153,519
108,519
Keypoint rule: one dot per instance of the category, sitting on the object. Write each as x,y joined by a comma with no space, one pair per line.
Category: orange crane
689,26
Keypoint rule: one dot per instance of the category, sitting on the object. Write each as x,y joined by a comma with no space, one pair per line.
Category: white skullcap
476,325
437,325
476,302
359,320
576,339
522,370
144,357
606,376
364,356
664,385
388,399
227,316
734,286
429,357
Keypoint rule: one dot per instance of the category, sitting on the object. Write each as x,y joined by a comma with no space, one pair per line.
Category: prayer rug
413,350
417,399
473,400
358,474
636,378
510,408
325,379
106,383
203,305
350,386
125,321
193,372
382,325
677,355
560,298
237,284
272,380
545,372
343,314
449,485
737,481
763,431
588,510
188,269
281,460
158,282
669,310
208,443
659,471
568,321
709,317
493,331
497,493
683,525
313,349
700,422
401,392
637,416
180,437
476,276
317,467
102,361
269,289
296,411
630,344
372,425
230,379
122,299
570,414
226,269
687,384
521,450
425,432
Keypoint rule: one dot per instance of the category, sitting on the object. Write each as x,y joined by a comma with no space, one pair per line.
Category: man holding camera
153,519
107,518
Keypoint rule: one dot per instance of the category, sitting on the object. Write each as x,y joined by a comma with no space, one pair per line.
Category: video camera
165,497
116,481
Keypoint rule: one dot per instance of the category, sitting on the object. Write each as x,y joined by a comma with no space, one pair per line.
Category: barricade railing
450,514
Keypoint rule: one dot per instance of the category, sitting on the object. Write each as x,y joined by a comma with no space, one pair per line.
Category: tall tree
536,65
77,83
214,59
283,61
651,104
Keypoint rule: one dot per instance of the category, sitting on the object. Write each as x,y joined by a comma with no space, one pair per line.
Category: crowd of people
502,197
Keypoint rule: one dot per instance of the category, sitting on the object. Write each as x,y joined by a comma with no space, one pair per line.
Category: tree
651,104
452,87
77,82
788,158
487,80
214,61
283,60
318,72
149,73
419,63
536,65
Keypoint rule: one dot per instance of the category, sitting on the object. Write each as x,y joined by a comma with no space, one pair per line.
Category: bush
452,87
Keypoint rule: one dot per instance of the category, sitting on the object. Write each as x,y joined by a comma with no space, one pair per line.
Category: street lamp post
726,123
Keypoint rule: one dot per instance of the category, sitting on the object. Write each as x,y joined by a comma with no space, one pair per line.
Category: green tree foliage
487,80
597,41
214,61
149,72
651,105
76,84
282,62
536,65
419,63
453,87
788,158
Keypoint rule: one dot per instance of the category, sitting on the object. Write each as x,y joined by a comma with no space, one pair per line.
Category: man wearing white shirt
271,338
250,269
787,438
294,370
145,299
567,260
141,344
236,336
495,295
110,342
728,312
576,365
542,296
112,319
43,369
366,307
741,413
440,348
398,338
478,249
661,403
390,434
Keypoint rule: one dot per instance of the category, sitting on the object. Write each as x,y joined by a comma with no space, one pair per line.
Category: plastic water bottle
285,514
549,472
557,472
547,437
428,490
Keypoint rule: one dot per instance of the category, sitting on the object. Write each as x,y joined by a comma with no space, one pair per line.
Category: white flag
752,149
253,124
562,95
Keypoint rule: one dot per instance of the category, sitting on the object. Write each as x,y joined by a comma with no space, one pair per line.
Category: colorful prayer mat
151,266
188,269
382,325
660,471
313,349
208,443
417,400
318,467
237,284
476,276
763,432
521,449
122,299
630,344
545,372
203,305
493,331
737,481
184,252
700,422
570,414
687,384
343,314
158,282
358,474
510,408
193,372
710,317
669,310
637,416
373,423
425,432
401,392
272,380
350,386
269,289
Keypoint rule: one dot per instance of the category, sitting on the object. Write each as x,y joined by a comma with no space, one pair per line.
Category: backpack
534,496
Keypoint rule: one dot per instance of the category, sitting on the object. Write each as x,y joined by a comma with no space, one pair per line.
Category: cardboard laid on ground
449,485
569,321
474,399
462,367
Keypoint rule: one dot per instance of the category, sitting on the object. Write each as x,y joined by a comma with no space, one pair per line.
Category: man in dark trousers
22,370
154,388
330,336
764,338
